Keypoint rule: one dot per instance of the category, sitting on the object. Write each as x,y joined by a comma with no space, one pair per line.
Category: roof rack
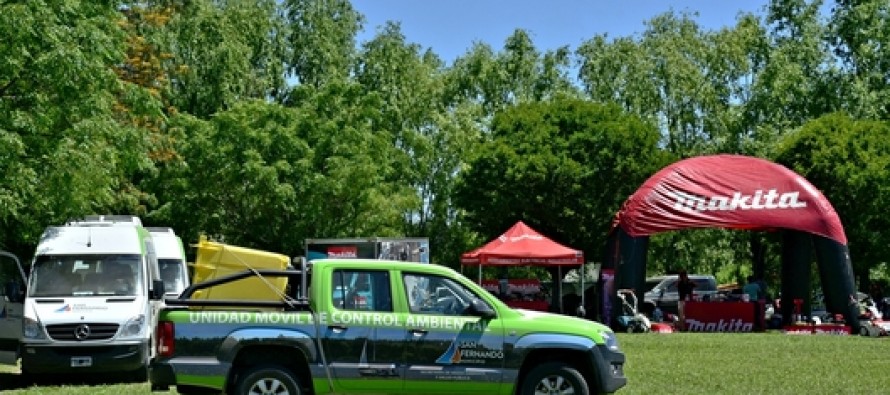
106,220
160,229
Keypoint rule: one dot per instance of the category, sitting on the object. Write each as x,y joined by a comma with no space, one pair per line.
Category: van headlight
32,329
133,328
610,340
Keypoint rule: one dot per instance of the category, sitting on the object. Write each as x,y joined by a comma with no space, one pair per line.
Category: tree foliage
65,152
563,166
849,161
265,122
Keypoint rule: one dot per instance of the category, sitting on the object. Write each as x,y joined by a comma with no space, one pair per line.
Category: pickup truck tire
554,378
268,380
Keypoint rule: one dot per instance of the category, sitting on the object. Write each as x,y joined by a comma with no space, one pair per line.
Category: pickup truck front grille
81,331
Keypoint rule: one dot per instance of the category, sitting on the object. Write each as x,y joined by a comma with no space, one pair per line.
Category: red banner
523,286
343,252
719,316
822,329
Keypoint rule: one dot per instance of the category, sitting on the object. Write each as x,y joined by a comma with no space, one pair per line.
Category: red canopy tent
523,246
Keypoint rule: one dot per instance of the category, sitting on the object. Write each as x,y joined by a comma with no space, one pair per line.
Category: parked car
662,290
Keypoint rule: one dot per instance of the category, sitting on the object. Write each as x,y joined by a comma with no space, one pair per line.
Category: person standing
685,286
752,289
755,293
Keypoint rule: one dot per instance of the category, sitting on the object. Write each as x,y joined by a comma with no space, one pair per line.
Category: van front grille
82,331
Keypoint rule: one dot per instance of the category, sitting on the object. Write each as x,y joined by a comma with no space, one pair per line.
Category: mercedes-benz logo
82,331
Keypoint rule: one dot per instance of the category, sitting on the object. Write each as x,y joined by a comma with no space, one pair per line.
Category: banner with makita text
728,191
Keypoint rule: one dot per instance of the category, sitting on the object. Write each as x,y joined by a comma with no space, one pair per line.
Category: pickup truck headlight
610,340
32,329
133,328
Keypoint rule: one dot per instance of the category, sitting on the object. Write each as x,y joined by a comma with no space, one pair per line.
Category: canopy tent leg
559,278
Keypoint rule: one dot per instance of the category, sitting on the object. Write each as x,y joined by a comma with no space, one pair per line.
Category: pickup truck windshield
86,275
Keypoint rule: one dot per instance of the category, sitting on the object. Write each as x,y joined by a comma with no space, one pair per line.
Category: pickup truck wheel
554,378
268,380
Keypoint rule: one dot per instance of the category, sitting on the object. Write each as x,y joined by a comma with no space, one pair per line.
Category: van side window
9,272
364,290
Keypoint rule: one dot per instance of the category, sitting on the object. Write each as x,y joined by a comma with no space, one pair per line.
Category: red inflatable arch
738,192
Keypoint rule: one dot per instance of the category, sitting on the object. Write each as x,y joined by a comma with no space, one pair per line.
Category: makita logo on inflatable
732,325
769,200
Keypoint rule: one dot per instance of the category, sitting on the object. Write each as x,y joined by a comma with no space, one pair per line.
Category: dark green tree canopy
564,166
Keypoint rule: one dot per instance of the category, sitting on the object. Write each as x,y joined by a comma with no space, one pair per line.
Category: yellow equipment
215,260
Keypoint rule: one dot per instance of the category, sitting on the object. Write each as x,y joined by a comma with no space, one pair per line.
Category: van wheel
554,378
268,380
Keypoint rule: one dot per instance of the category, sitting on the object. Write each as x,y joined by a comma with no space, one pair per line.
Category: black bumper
610,368
102,359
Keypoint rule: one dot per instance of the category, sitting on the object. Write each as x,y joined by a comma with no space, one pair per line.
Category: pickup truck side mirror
157,290
480,308
14,292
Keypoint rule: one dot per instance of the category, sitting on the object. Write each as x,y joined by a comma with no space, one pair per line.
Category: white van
171,260
91,299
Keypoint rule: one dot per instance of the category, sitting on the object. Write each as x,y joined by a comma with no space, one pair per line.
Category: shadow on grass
10,380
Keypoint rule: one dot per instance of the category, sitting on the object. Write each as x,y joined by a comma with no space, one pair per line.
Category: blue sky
450,27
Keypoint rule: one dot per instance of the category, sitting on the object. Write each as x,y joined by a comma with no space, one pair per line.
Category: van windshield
86,275
173,274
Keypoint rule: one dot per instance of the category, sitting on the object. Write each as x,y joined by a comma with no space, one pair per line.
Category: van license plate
81,362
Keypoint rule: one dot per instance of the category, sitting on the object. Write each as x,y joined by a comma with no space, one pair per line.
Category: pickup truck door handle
417,332
337,328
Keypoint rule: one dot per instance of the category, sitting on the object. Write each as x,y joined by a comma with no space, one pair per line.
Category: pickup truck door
360,313
446,346
12,279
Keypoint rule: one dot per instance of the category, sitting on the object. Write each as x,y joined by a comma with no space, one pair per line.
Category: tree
321,39
517,74
861,41
431,135
563,166
242,178
794,85
849,161
224,53
64,153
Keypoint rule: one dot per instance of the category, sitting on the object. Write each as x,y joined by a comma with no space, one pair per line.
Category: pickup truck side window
364,290
428,294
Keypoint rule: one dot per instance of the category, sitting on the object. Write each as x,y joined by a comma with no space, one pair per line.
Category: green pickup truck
355,326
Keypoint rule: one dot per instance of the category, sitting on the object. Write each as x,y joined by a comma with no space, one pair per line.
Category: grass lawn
692,363
756,363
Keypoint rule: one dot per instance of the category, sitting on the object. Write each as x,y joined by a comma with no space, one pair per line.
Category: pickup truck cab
378,327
